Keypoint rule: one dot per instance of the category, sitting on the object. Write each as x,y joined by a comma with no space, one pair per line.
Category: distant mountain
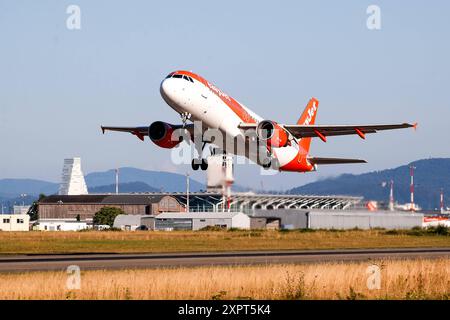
430,176
165,181
131,180
124,187
10,188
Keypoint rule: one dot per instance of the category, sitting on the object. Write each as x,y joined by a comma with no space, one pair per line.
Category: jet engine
274,134
161,133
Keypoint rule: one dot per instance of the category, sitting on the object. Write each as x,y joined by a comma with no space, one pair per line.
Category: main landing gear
199,163
269,162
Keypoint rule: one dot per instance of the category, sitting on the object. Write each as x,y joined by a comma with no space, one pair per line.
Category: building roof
127,219
197,215
207,201
60,220
14,215
137,199
364,213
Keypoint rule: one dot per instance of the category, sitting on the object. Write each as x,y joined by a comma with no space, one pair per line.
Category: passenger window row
180,76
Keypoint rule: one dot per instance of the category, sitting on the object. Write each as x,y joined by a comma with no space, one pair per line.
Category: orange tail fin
308,117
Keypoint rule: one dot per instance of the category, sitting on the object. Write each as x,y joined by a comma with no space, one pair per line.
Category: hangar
341,219
200,220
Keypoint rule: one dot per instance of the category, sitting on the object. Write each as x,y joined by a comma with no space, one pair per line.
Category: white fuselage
216,110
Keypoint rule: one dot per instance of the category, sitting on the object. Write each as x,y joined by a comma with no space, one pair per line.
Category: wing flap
302,131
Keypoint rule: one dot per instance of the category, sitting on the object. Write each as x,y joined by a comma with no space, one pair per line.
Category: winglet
103,129
415,125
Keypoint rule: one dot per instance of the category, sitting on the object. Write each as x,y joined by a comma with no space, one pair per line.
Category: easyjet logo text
218,91
311,112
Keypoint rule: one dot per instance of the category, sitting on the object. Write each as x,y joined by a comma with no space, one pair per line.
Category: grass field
401,279
190,241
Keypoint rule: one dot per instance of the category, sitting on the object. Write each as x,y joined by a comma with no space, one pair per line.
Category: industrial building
14,222
59,225
342,219
70,206
128,222
199,220
272,219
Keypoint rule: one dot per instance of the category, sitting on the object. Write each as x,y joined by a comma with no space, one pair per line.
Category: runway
25,263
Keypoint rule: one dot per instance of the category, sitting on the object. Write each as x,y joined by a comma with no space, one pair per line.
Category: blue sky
57,86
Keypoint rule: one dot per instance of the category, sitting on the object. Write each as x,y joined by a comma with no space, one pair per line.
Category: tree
78,217
33,212
106,215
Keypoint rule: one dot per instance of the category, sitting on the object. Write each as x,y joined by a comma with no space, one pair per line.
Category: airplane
283,147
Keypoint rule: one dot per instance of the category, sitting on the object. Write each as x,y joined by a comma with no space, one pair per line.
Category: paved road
120,261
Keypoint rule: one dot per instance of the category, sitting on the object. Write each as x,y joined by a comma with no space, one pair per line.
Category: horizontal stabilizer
321,161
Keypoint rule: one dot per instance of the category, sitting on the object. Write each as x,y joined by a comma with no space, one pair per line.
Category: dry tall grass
400,279
76,242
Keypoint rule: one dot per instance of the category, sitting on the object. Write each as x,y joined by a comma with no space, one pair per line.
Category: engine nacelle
161,133
275,135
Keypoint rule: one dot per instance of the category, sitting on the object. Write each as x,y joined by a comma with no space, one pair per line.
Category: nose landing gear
185,116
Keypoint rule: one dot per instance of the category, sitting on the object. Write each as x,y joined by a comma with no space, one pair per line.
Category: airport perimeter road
25,263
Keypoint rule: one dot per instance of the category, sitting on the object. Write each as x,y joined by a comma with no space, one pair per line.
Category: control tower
72,182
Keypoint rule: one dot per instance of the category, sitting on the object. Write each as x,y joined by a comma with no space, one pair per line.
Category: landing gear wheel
267,165
204,165
195,165
273,164
266,162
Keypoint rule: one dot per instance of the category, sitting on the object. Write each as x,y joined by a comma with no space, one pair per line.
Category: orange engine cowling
161,133
275,135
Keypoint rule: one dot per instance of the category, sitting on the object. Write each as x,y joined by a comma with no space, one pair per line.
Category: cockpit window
180,76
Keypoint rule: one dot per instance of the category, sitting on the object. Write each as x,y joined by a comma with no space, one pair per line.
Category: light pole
411,187
117,181
23,195
187,192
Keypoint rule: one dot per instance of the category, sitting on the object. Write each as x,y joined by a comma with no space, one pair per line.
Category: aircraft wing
322,161
139,132
322,131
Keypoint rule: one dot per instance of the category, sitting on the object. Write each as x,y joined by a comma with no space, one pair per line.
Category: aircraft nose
167,89
164,86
